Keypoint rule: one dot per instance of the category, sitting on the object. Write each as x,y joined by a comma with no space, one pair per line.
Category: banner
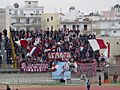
43,67
62,71
59,55
89,69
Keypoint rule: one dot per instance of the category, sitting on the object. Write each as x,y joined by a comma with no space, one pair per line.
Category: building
91,24
2,19
75,20
108,22
27,17
50,21
71,19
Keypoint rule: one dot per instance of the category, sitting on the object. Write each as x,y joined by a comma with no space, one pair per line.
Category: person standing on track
99,80
88,84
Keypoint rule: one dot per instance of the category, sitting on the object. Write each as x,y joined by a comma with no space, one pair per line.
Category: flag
97,44
47,50
34,51
23,43
107,53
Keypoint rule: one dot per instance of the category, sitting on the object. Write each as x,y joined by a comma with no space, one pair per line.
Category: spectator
70,41
115,76
99,80
5,32
88,84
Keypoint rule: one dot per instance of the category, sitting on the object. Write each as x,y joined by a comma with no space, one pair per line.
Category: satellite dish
16,5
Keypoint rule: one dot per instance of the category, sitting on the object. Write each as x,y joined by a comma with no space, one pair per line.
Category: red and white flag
23,43
107,53
97,44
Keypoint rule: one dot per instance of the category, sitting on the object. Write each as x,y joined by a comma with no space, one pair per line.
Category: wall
55,22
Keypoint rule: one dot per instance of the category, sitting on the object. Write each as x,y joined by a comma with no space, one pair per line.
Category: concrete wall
114,47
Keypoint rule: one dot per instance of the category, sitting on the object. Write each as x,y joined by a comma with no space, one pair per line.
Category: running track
69,88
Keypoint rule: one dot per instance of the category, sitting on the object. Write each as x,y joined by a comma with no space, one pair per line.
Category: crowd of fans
64,40
57,41
7,47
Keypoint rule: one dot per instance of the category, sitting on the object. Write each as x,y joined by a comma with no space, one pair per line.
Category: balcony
26,16
25,24
70,21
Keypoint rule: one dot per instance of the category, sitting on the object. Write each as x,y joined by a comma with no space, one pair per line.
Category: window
27,21
29,2
18,20
85,27
51,18
16,12
51,27
119,22
47,19
114,31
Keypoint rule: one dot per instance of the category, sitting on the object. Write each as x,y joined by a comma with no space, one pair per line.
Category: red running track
70,88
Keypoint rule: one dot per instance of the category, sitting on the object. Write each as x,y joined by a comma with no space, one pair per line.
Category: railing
45,78
24,16
26,79
25,24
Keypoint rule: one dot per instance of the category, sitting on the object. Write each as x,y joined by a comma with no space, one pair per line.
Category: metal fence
26,79
42,78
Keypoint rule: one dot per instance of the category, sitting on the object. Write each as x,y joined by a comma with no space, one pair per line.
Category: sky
85,6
